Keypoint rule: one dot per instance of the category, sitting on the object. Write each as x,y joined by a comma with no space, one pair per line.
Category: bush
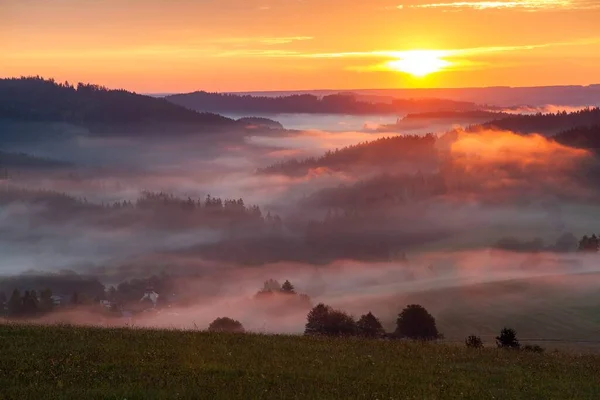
415,322
508,339
534,349
323,320
226,325
474,342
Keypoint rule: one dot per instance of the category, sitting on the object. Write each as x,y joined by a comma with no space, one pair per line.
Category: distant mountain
457,115
258,122
100,110
26,161
500,96
339,103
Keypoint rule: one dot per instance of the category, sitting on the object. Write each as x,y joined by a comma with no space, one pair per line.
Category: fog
366,230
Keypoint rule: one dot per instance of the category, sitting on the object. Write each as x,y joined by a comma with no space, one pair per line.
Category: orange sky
239,45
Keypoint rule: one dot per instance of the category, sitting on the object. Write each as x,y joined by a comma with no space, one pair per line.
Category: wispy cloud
449,52
264,40
527,5
219,47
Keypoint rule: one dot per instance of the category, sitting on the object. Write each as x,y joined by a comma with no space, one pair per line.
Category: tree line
409,149
413,323
95,107
337,103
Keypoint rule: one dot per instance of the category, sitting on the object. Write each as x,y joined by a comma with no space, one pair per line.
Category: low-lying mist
359,221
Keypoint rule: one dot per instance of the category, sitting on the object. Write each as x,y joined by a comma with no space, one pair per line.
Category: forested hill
102,111
549,124
340,103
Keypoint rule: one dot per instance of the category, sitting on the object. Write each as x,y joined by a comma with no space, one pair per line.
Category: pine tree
287,287
46,303
30,303
317,319
15,304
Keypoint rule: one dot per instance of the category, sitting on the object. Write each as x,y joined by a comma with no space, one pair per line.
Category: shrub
415,322
534,349
226,325
474,342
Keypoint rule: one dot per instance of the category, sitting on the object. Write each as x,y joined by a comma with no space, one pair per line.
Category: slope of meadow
65,362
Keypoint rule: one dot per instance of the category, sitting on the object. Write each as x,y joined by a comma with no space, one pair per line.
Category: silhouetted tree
589,244
317,320
508,339
323,320
271,285
474,342
46,303
226,324
415,322
369,326
15,304
75,298
287,287
30,303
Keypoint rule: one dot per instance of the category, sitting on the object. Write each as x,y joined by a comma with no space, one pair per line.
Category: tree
287,287
589,244
474,342
508,339
317,319
415,322
46,303
323,320
271,286
75,298
15,304
369,326
30,303
226,324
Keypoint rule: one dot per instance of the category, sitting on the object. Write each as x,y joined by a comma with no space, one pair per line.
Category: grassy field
67,362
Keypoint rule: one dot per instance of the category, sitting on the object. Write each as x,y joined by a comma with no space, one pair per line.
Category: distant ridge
338,103
502,96
100,110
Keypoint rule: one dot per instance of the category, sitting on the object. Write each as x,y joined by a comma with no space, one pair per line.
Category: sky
165,46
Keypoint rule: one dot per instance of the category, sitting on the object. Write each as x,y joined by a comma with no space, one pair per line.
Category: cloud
270,40
221,47
526,5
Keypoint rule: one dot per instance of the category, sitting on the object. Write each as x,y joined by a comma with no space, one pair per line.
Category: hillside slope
100,110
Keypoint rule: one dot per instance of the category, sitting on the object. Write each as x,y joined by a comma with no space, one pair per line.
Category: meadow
55,362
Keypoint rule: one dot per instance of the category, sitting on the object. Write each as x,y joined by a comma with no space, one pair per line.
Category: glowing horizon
156,46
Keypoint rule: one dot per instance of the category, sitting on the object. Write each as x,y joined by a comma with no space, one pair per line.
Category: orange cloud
528,5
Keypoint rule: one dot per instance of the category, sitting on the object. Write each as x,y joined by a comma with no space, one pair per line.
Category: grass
55,362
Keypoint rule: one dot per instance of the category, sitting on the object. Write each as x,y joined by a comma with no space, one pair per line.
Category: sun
419,62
